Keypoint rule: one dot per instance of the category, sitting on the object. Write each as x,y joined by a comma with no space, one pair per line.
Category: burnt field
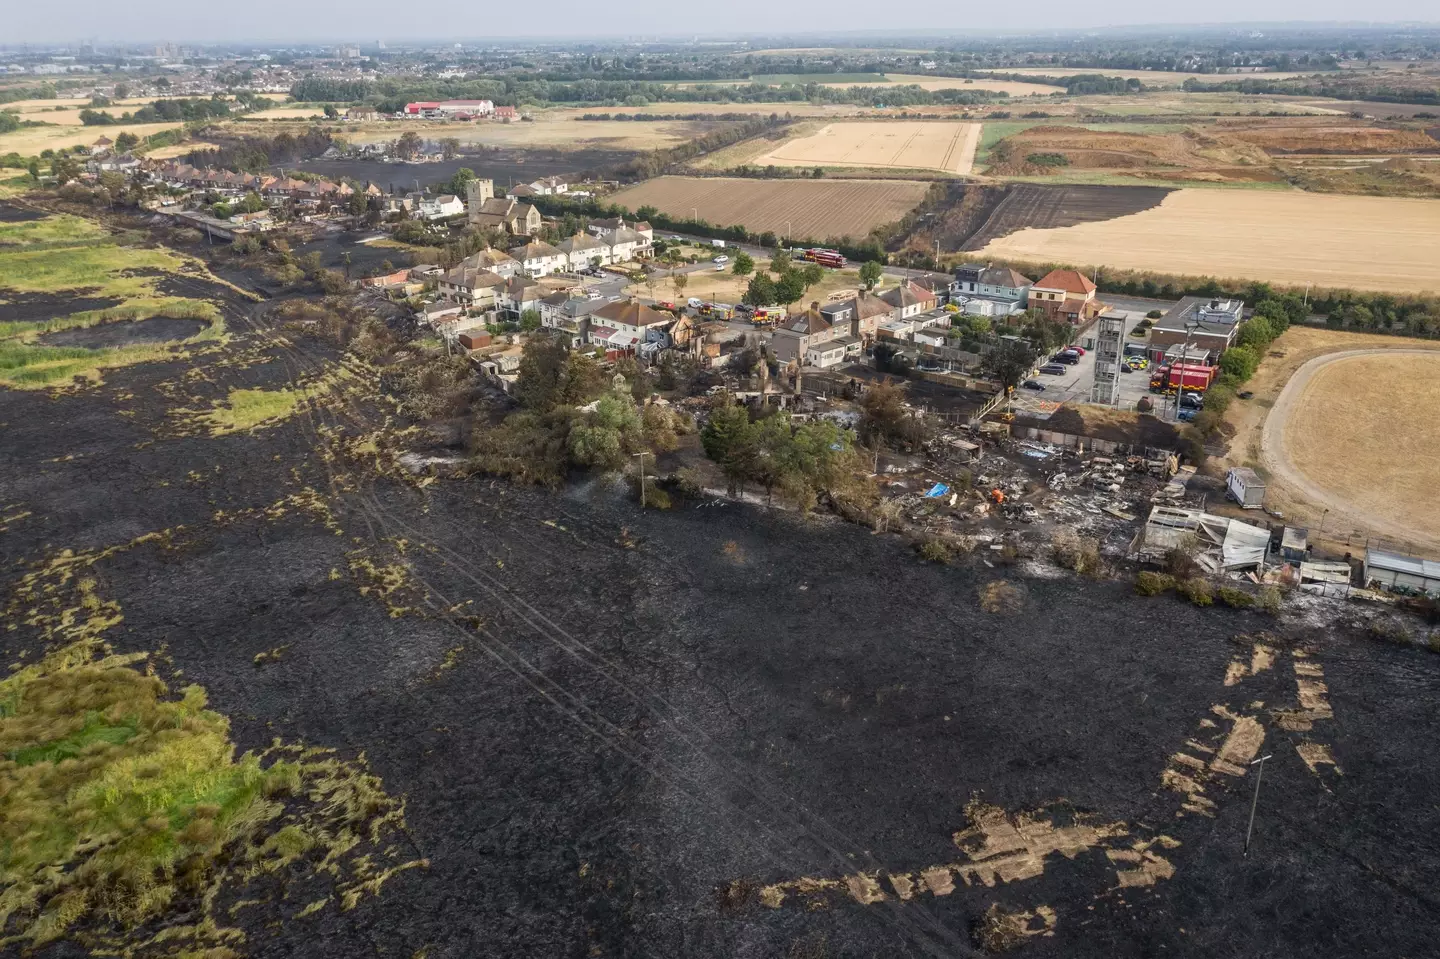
505,166
1047,207
662,734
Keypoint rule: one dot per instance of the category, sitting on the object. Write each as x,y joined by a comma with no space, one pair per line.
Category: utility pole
641,457
1255,800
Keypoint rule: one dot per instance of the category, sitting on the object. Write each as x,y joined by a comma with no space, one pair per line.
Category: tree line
257,154
1340,88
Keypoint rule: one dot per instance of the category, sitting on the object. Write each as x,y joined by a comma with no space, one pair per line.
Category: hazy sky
368,20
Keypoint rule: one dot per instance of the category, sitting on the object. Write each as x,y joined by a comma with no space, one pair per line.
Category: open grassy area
52,229
246,409
63,260
800,79
124,803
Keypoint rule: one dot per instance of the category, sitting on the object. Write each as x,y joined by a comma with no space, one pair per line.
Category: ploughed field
800,208
1295,238
619,732
895,144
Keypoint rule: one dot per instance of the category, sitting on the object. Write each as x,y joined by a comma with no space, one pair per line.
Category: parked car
1127,369
694,302
744,308
1193,401
1076,349
1054,369
1069,359
1186,415
1035,385
722,259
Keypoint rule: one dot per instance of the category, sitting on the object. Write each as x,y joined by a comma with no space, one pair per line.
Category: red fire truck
1167,379
829,258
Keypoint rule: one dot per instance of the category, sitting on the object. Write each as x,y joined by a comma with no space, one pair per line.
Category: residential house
538,258
794,338
506,114
625,325
430,313
1065,295
1211,324
522,191
626,244
908,299
859,316
464,109
992,290
473,285
550,186
101,146
496,261
605,226
583,251
123,163
441,207
507,213
519,294
825,355
566,311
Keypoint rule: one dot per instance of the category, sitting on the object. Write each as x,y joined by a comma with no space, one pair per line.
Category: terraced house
991,290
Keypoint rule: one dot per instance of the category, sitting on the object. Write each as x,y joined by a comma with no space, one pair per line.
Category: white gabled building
582,251
538,258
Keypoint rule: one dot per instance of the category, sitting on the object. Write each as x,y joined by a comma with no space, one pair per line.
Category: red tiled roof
1071,281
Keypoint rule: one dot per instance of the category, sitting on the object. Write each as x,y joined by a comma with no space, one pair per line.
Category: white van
694,302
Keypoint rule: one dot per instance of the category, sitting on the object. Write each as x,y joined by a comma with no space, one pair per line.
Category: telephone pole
1255,800
641,457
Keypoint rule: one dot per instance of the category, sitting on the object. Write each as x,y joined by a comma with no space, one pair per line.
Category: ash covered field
719,731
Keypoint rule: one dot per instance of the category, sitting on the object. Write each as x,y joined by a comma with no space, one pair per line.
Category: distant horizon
34,27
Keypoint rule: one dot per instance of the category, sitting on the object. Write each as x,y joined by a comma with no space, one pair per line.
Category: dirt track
1374,515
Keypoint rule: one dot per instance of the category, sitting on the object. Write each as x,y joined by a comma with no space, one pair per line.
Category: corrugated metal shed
1395,569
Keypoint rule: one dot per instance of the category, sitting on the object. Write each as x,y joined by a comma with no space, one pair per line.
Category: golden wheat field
1295,238
893,144
813,209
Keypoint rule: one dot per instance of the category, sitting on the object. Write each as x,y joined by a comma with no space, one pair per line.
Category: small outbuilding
1397,571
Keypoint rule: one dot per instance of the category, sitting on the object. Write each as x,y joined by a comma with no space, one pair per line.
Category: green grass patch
247,409
62,229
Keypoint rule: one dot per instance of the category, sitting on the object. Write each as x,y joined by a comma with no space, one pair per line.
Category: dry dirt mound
1334,138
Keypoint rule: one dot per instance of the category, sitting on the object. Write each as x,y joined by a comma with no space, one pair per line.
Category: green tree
811,275
744,264
530,321
1256,334
251,203
780,262
330,112
1239,363
222,211
450,148
790,288
126,141
728,439
1009,362
761,291
870,274
680,281
408,144
551,376
605,437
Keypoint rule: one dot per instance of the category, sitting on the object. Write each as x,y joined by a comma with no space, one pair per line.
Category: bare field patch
552,130
1014,88
805,208
918,145
1350,430
28,141
1386,243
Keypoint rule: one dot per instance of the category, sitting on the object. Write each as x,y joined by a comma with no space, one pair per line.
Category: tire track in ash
769,796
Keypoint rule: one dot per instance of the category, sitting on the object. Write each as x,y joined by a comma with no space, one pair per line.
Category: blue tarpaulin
936,491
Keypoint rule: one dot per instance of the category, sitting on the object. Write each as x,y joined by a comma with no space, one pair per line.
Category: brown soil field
805,208
1295,238
1326,136
1193,149
551,130
1048,207
920,145
1322,429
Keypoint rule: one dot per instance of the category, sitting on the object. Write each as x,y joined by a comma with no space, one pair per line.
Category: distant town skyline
161,20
